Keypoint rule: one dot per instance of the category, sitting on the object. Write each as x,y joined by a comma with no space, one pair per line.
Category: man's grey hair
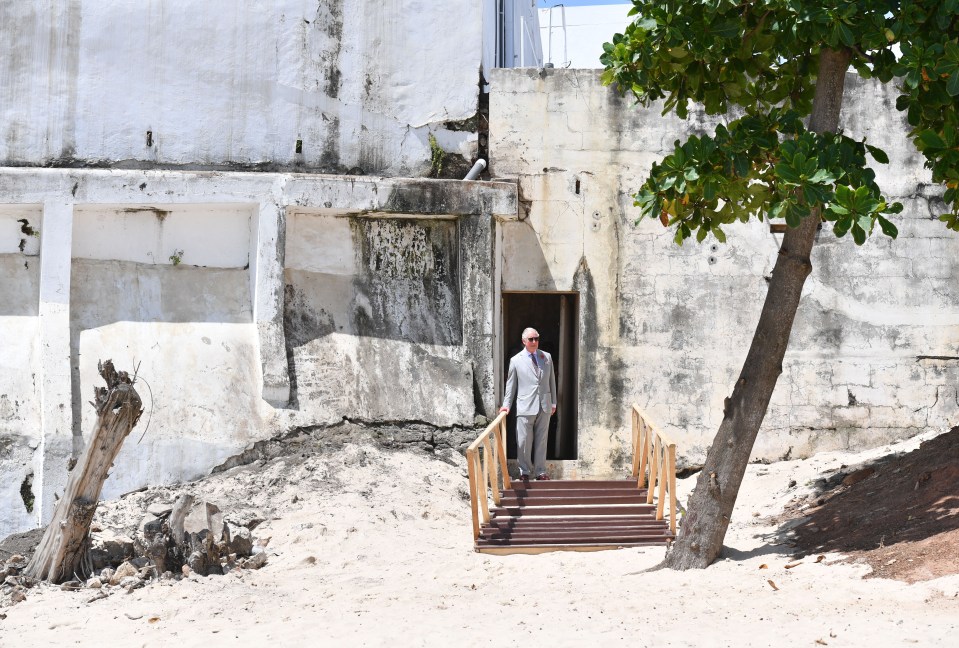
528,332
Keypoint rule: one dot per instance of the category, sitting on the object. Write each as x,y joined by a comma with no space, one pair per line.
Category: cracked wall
874,354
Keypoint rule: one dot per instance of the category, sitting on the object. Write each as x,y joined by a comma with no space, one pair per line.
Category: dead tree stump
63,551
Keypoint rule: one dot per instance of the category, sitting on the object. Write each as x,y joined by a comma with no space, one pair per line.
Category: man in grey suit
532,382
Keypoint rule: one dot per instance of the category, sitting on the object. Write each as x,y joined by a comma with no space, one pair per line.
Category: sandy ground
373,547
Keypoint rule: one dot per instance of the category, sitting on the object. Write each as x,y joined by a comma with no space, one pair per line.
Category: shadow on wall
19,285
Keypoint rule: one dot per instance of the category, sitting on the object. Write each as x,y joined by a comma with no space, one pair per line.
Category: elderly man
532,382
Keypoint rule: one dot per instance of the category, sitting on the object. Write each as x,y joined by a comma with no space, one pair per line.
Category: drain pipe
477,169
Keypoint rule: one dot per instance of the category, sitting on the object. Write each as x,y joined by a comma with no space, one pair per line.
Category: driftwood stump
63,551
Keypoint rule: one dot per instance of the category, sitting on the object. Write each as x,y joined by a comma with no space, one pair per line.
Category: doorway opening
555,315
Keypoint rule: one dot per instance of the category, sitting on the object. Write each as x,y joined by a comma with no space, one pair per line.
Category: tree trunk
63,551
711,503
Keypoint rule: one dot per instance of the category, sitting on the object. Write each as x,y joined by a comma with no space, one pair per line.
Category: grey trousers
531,435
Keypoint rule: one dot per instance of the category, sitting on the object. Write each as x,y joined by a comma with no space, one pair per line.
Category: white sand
394,565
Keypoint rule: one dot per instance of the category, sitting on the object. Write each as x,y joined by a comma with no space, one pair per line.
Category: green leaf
792,217
858,234
895,208
845,35
787,174
844,195
838,209
878,154
888,228
719,234
820,176
646,24
930,139
952,86
842,226
701,234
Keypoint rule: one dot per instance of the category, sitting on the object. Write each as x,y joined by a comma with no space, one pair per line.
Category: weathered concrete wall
166,292
19,403
237,85
372,304
873,355
388,309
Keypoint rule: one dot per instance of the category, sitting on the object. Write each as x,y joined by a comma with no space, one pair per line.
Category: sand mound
370,546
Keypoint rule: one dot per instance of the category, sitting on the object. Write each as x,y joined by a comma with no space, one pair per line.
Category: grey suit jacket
534,389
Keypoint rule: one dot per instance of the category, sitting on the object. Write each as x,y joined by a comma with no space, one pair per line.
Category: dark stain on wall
602,373
301,322
329,18
408,285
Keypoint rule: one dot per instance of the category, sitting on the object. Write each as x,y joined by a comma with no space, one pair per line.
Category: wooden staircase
572,515
557,515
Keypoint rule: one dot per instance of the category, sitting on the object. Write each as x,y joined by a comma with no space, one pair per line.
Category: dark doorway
556,317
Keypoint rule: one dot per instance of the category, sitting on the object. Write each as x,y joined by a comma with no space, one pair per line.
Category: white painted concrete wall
208,335
668,327
20,431
573,37
235,85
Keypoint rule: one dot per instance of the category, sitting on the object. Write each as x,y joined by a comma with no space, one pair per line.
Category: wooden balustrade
654,453
486,468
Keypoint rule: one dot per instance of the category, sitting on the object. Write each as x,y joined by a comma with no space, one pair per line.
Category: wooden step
610,509
596,534
574,522
571,515
554,484
570,500
540,549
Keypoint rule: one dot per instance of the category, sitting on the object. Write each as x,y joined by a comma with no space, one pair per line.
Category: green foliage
766,166
437,156
177,257
759,60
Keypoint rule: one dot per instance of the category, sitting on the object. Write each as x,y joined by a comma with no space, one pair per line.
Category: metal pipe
478,167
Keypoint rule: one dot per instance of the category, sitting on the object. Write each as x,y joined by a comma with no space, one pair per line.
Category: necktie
535,363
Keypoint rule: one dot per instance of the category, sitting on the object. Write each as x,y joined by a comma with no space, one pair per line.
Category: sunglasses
533,339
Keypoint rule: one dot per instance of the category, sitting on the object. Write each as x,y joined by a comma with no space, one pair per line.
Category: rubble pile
186,538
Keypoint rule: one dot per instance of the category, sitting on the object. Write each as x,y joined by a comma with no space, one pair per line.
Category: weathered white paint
19,401
221,83
266,290
13,240
213,236
668,326
209,342
56,410
187,332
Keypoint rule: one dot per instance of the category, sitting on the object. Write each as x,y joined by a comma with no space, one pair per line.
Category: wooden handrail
485,468
655,453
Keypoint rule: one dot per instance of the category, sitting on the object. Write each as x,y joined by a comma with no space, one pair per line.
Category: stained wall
874,354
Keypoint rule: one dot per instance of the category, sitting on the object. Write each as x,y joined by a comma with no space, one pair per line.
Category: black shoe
543,477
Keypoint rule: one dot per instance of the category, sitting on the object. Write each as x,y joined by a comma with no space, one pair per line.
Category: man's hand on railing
504,409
